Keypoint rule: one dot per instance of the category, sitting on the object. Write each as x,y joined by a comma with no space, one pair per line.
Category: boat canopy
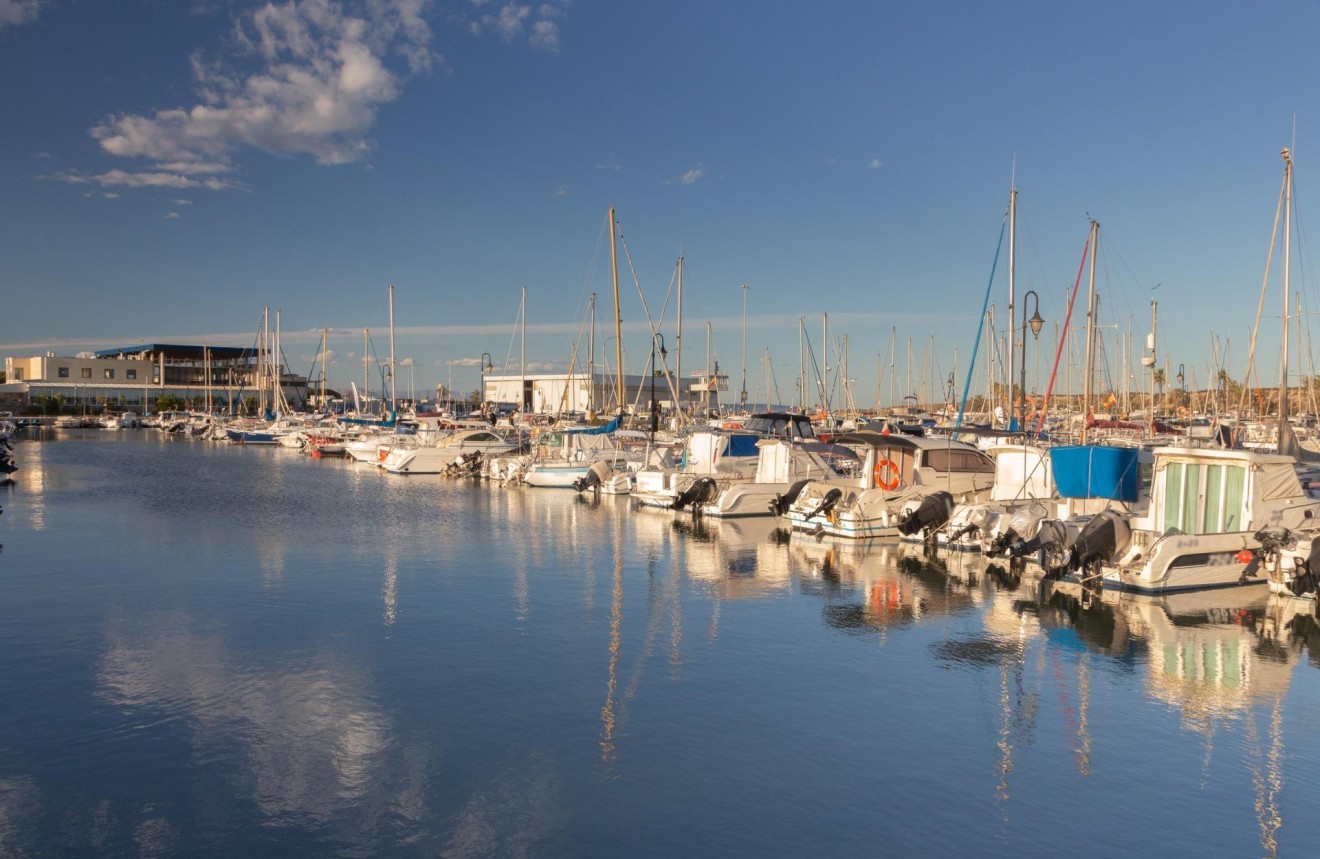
603,429
1096,471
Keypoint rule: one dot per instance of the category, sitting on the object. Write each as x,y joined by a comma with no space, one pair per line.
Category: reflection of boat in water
737,558
1204,649
872,586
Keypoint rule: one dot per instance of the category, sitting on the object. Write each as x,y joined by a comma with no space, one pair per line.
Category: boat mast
591,361
393,388
366,367
1090,328
618,313
522,358
678,340
744,349
1013,421
825,354
1287,259
324,331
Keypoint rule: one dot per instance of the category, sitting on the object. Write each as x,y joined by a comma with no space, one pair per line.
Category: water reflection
310,734
456,669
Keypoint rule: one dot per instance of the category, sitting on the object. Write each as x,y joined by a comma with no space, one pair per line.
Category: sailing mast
1013,420
1090,329
393,389
522,358
618,312
678,342
591,362
1287,252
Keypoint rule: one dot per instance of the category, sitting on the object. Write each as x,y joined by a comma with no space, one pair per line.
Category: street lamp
486,367
1180,377
1035,323
655,416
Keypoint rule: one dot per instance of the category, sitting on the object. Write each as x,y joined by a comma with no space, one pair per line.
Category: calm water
213,650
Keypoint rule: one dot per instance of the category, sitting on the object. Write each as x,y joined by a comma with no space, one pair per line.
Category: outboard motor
826,504
927,516
597,474
1101,539
1051,542
970,519
703,489
780,503
1305,580
1023,525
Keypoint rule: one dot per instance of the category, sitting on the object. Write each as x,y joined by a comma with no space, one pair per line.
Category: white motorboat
445,451
900,478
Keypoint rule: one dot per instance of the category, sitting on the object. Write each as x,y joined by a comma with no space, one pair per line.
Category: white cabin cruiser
902,480
434,458
1207,506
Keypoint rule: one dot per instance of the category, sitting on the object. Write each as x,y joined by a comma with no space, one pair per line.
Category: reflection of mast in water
1267,776
389,589
612,684
1084,715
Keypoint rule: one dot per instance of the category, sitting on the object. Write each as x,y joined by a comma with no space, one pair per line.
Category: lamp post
655,416
486,367
1035,323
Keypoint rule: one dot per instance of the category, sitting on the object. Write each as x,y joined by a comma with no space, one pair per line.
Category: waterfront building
582,392
133,378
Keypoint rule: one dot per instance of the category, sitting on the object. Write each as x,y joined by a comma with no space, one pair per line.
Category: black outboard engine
780,504
934,510
826,504
595,475
703,489
1100,540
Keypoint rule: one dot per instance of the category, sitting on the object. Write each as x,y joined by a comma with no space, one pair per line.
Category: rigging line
971,365
646,309
1063,337
1260,306
513,337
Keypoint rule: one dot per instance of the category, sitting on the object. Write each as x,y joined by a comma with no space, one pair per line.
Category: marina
282,654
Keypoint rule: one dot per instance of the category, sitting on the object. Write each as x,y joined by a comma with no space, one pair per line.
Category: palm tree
1159,383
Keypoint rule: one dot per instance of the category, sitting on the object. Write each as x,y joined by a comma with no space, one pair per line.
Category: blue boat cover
743,445
603,429
1095,471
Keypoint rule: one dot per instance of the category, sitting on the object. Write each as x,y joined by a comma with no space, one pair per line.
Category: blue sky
169,168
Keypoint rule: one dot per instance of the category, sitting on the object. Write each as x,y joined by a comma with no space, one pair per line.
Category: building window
63,372
18,374
132,374
109,374
87,372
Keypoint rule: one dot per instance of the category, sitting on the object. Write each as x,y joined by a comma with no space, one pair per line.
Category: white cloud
561,191
111,195
876,164
15,12
692,175
545,34
305,78
172,216
181,202
514,19
611,167
405,362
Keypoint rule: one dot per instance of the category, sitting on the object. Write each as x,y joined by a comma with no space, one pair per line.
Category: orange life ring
886,464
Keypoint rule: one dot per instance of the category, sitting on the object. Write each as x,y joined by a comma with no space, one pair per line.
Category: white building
552,393
133,378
